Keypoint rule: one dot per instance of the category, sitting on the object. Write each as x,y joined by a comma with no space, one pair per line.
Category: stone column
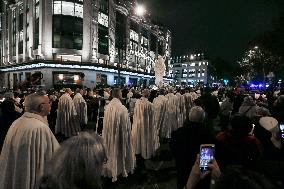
46,29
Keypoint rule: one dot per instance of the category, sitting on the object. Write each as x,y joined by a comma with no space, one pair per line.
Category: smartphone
206,155
281,126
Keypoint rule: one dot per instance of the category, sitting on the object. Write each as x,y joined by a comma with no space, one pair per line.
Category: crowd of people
70,139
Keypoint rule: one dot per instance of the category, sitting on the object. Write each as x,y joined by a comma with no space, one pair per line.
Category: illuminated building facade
91,41
190,70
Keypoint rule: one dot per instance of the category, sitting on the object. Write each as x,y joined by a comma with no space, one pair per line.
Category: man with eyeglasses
28,146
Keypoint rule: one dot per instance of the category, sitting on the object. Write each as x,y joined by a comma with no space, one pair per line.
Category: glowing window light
60,76
76,78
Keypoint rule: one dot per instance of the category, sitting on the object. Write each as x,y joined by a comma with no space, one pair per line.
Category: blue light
256,86
226,81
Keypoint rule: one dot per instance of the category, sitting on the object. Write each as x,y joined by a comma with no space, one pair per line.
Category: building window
103,19
134,36
68,79
21,30
14,31
120,31
144,41
57,7
36,25
160,48
68,24
120,37
103,40
68,8
37,10
104,6
78,10
153,43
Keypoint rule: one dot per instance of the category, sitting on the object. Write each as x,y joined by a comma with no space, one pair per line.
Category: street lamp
140,10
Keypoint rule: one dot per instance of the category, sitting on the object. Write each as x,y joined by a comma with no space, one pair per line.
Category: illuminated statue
159,71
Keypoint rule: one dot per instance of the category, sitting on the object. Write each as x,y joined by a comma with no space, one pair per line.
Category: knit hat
269,123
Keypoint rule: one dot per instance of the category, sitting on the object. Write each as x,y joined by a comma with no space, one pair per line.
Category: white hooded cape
173,115
81,108
144,133
188,98
28,145
182,110
117,140
160,104
67,121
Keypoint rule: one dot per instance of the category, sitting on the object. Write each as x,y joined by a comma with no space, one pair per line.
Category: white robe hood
67,121
118,141
81,108
144,132
182,110
160,104
173,115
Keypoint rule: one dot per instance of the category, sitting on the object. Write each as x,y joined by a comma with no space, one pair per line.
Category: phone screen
206,155
281,125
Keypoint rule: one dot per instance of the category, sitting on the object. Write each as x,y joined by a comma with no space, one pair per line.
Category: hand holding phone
206,156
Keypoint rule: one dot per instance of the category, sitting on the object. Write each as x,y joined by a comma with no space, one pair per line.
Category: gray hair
33,101
196,114
77,163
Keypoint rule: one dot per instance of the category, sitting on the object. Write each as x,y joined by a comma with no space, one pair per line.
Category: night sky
219,27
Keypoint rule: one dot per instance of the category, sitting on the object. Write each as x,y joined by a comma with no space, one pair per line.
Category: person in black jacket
211,106
186,141
9,115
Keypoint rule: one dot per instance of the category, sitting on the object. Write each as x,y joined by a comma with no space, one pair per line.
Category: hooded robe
144,132
28,146
160,104
194,95
81,108
188,98
182,110
117,140
172,119
67,122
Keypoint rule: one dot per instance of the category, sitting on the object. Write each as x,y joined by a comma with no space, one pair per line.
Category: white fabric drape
172,118
144,133
194,95
188,102
67,121
81,108
160,104
118,141
28,145
182,110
